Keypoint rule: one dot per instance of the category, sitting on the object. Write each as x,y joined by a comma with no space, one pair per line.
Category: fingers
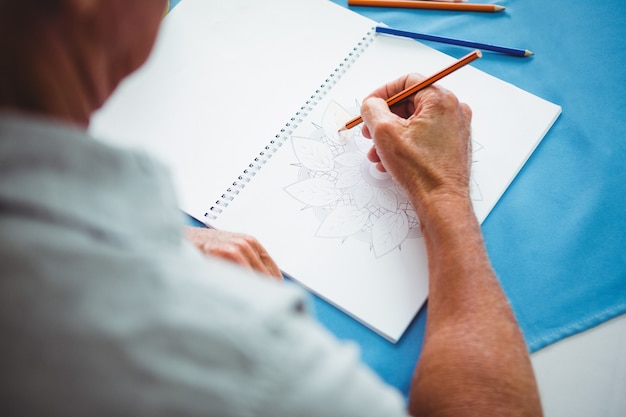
246,251
423,142
377,114
403,109
396,86
373,112
239,248
372,155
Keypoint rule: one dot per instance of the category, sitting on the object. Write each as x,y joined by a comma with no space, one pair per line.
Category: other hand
240,248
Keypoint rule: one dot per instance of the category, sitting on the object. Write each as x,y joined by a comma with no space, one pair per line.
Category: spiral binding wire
281,137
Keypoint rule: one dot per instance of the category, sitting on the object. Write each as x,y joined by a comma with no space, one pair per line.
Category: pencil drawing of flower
387,199
389,231
350,159
314,192
334,117
343,221
362,194
347,178
341,186
345,191
313,154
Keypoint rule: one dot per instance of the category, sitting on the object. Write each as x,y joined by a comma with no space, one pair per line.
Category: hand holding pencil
412,89
424,142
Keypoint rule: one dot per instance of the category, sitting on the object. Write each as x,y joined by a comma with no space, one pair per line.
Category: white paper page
347,232
383,293
223,78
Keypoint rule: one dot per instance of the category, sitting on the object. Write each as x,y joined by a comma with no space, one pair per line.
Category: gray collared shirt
106,310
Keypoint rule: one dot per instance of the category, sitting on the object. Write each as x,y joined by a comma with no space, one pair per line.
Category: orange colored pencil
421,85
438,5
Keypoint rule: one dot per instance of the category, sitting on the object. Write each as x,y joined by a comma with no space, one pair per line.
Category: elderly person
107,309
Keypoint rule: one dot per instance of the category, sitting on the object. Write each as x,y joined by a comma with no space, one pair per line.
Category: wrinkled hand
235,247
423,142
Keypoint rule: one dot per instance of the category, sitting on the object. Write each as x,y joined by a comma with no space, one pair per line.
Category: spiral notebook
243,101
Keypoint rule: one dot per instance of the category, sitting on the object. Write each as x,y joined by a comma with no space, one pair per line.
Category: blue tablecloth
557,238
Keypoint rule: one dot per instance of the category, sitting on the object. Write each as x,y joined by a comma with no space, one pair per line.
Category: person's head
65,57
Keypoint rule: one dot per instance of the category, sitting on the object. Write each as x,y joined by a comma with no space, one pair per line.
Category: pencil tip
528,53
342,129
498,8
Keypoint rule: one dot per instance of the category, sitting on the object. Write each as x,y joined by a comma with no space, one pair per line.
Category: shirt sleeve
313,374
173,335
247,346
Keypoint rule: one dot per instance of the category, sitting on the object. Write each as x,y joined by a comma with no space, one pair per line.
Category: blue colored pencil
459,42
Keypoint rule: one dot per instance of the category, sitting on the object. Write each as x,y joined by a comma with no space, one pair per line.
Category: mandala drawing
345,191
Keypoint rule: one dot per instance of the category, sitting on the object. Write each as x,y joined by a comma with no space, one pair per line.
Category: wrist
446,214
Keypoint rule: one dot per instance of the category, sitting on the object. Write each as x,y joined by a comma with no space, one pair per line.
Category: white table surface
585,375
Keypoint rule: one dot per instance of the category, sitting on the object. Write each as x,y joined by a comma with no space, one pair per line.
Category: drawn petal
344,221
475,193
348,178
402,195
313,154
334,118
387,199
362,143
389,231
350,159
362,195
314,192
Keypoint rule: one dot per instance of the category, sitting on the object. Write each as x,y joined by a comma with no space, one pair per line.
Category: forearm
474,360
